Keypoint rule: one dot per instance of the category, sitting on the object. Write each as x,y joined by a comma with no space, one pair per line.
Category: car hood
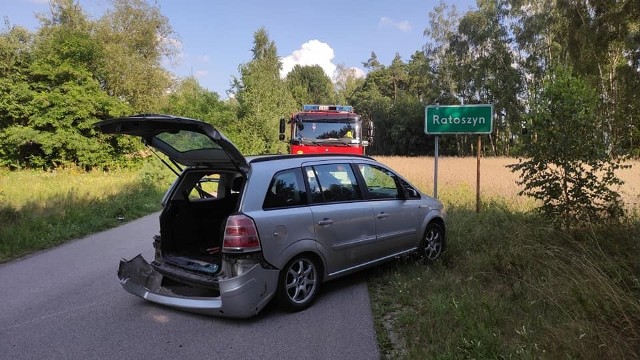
188,142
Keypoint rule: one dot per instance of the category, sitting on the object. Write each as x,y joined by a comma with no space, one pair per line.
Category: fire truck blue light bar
347,108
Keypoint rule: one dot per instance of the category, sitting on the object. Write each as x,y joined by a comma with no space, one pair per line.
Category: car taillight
240,235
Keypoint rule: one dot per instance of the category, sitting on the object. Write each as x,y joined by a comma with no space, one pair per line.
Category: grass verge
509,286
39,210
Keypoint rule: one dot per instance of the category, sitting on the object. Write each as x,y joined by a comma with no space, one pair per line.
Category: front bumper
241,297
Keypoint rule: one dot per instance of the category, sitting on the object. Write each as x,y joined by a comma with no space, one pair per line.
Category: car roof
304,157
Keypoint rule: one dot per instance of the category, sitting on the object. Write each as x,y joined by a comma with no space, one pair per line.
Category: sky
214,37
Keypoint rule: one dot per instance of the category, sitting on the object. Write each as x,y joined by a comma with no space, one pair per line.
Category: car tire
299,283
433,242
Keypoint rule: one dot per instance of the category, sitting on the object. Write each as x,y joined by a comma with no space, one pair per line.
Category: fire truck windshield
328,131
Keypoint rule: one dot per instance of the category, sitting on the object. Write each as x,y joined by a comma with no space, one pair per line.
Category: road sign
458,119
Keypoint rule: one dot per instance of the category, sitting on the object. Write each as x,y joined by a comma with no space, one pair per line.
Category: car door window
332,182
381,183
286,189
205,188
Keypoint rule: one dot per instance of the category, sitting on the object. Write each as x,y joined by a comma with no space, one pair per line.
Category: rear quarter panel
283,232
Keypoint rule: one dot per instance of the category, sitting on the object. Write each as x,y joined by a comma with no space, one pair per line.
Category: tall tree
482,49
443,24
63,99
450,80
310,85
263,99
398,76
346,83
16,55
189,99
600,49
600,40
373,63
67,13
372,105
389,80
136,39
420,78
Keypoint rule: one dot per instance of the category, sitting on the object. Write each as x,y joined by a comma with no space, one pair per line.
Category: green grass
510,286
39,209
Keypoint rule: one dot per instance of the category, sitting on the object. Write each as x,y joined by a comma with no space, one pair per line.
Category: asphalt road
66,303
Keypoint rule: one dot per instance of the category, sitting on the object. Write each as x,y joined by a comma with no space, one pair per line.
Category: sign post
435,167
458,119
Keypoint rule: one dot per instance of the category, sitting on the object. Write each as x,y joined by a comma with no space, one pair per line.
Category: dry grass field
456,174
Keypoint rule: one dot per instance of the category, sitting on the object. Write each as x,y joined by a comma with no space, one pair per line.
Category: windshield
328,131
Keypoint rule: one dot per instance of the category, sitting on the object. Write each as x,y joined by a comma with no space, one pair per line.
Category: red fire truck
327,129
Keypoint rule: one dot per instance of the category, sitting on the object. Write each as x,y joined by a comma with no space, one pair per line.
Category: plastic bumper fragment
242,296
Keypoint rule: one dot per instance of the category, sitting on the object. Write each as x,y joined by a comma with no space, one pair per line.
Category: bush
568,166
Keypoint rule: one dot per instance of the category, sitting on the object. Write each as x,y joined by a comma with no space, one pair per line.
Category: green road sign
458,119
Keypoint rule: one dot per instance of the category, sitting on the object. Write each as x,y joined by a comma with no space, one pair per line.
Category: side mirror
369,132
411,193
282,126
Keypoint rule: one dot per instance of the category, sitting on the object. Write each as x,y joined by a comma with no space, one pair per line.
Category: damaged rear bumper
242,296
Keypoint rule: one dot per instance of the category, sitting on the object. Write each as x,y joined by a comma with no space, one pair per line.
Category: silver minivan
236,231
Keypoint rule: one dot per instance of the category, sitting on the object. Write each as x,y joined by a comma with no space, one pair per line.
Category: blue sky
216,36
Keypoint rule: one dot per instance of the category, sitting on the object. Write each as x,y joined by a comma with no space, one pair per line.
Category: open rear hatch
186,141
193,218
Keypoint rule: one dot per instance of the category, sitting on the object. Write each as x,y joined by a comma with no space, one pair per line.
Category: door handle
325,222
382,216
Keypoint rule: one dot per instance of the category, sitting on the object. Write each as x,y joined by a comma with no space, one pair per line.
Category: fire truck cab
327,129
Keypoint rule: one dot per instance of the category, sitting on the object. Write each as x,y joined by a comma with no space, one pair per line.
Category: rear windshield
184,141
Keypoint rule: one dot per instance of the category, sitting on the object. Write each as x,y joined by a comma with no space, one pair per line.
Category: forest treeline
56,82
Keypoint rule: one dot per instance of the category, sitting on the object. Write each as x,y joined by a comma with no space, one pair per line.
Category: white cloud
313,52
403,25
203,58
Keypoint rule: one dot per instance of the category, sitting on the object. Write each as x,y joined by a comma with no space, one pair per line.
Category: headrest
237,183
